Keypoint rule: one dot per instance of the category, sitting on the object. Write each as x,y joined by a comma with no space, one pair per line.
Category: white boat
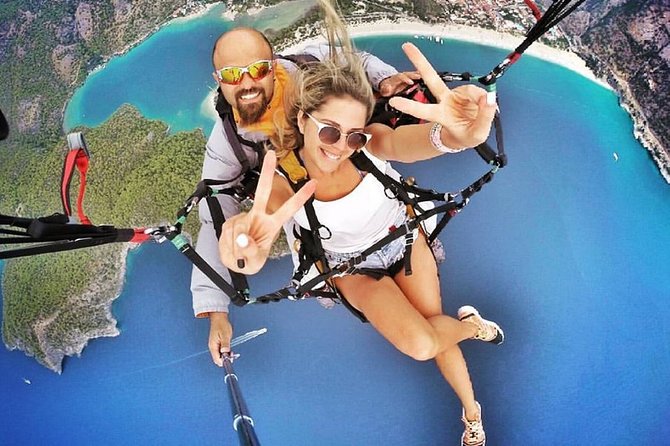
27,381
616,156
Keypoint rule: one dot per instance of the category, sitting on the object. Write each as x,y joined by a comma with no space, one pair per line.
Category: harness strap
311,250
225,112
292,167
178,240
218,218
362,162
55,234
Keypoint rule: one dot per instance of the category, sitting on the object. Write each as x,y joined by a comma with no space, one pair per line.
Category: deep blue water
568,249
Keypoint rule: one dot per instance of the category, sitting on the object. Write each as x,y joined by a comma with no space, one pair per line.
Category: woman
326,119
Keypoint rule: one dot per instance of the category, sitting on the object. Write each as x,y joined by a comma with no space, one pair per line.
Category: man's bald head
241,47
238,41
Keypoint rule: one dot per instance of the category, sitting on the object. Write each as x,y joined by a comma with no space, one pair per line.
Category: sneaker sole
473,444
469,311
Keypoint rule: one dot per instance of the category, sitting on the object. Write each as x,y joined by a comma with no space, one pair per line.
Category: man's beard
251,113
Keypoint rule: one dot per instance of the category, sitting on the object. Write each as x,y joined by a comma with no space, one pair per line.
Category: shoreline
641,131
98,296
486,37
180,15
568,59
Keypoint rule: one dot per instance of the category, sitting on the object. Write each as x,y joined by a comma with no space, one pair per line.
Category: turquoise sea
568,249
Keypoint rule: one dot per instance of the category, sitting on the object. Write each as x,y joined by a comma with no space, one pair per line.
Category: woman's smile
331,155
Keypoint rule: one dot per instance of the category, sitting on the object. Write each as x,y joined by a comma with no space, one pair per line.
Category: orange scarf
275,109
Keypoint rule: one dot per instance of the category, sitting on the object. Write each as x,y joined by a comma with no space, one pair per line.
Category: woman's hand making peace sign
463,111
246,238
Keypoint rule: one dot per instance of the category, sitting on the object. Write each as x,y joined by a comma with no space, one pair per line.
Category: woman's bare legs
407,311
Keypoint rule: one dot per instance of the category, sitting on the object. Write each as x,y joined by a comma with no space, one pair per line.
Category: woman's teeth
331,156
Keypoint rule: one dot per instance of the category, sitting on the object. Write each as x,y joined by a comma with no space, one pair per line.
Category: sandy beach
566,59
184,14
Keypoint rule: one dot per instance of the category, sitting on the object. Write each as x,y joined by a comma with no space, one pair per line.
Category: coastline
566,58
63,318
641,130
181,15
98,297
480,36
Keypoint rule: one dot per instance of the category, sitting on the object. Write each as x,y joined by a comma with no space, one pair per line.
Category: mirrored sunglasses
233,75
330,135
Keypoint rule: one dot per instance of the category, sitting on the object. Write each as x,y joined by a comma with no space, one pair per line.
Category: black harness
310,250
66,236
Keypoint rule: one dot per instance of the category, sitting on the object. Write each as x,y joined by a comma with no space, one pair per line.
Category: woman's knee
420,346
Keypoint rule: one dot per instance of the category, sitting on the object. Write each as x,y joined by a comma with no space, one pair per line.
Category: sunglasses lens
259,70
329,135
356,140
230,75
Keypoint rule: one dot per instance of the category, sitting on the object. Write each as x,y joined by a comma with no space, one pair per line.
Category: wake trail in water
234,343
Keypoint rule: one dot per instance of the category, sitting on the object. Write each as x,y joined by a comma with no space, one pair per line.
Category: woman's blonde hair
341,74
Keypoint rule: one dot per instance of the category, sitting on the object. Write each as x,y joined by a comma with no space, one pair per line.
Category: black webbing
558,10
208,271
218,219
225,112
4,127
54,234
58,246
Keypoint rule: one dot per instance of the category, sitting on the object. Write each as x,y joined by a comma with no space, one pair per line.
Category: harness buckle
160,233
322,236
191,204
409,236
391,194
292,289
347,267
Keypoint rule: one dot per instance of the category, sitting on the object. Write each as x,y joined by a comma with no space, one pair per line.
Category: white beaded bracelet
436,139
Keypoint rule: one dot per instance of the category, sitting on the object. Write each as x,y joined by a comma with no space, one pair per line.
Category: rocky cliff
628,43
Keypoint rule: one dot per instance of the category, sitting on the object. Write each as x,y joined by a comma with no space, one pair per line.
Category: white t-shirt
360,218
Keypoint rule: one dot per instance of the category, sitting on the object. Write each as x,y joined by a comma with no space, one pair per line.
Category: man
253,83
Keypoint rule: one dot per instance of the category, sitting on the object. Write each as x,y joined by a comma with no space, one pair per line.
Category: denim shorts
382,259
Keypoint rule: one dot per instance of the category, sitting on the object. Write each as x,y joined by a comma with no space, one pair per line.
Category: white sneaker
474,434
487,331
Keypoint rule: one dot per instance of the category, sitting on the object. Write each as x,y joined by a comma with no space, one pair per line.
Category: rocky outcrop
28,115
84,18
66,329
627,42
65,62
122,10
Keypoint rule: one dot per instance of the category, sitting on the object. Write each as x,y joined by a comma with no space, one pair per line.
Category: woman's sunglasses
233,75
331,135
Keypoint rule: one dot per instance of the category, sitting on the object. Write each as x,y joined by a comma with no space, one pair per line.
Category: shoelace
474,430
484,332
